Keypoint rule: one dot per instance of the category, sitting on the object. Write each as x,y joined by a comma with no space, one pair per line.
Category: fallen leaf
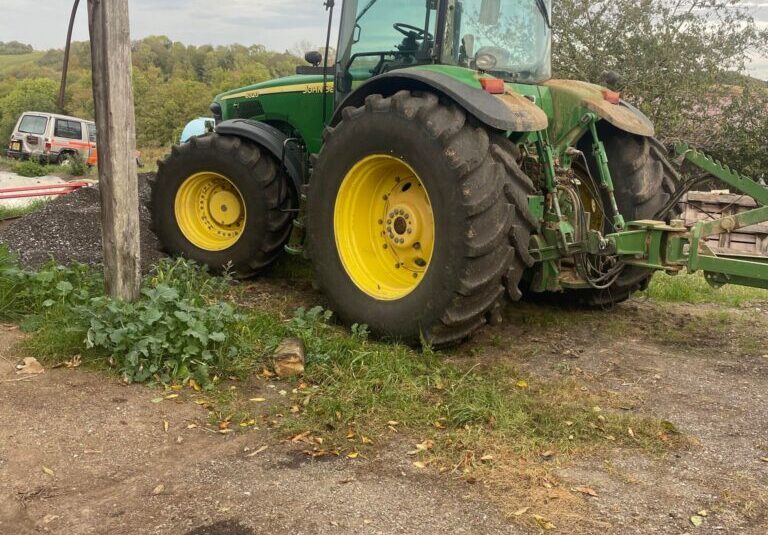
521,512
697,520
568,423
419,464
596,409
366,440
439,425
426,445
547,454
764,459
300,436
29,366
522,384
158,489
703,512
257,451
353,455
631,433
166,425
486,458
194,385
48,471
171,396
295,409
74,362
393,422
543,522
586,490
191,426
350,435
199,401
156,400
225,431
258,400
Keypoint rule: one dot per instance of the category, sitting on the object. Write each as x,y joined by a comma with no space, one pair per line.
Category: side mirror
490,11
313,57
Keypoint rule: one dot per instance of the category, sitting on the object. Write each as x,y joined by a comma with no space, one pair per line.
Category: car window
33,124
92,133
68,129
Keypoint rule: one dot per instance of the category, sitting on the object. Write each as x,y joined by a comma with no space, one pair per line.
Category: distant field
16,60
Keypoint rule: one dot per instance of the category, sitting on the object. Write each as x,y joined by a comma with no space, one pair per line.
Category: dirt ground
81,453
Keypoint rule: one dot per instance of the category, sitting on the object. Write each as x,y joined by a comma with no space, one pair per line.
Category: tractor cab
509,39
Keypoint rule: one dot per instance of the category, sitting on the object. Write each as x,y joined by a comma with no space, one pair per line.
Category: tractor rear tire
414,217
644,183
223,202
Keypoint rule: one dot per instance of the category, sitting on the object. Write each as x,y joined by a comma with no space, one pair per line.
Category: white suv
52,138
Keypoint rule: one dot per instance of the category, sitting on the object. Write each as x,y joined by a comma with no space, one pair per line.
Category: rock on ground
68,229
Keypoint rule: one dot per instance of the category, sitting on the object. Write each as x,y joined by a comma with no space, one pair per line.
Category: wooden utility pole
115,123
63,88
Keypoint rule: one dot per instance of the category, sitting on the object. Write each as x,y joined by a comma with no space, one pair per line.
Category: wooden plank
118,181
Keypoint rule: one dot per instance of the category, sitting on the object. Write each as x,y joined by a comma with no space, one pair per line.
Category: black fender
270,138
509,112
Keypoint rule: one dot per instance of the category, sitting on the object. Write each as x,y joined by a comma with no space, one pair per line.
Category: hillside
173,82
15,60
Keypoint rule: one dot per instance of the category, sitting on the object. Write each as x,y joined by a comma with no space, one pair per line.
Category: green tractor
435,170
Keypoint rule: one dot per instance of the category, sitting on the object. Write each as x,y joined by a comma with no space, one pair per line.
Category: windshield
507,38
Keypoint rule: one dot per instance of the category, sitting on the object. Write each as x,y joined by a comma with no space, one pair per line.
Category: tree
673,56
37,94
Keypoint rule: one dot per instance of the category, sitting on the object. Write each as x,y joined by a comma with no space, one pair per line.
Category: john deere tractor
435,170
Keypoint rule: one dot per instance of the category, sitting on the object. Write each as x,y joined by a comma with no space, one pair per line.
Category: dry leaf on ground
29,366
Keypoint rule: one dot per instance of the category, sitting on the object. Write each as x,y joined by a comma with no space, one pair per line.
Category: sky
277,24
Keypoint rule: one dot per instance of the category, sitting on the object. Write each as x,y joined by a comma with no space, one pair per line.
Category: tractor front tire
223,202
413,219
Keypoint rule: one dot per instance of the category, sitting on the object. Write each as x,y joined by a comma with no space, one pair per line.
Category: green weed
8,213
694,289
30,168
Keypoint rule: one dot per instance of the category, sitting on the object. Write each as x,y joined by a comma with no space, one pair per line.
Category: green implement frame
657,245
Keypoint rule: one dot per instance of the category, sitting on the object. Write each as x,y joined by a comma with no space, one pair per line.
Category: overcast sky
277,24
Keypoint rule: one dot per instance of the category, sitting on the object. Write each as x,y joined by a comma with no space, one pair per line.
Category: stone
289,358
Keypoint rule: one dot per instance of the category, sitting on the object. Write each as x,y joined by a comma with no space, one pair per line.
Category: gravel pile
68,229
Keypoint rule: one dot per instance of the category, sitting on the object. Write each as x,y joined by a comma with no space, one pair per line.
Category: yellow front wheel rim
210,211
384,227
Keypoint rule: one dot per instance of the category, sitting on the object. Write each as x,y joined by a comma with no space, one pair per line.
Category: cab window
92,133
68,129
390,34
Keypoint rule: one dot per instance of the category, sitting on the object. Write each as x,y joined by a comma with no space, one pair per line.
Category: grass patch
694,289
18,211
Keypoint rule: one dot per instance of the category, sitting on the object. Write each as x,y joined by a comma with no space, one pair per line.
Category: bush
75,165
179,329
30,168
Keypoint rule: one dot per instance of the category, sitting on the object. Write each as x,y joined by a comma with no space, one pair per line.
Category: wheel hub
210,211
384,227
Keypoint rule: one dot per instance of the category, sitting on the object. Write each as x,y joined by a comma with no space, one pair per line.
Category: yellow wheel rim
210,211
385,230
